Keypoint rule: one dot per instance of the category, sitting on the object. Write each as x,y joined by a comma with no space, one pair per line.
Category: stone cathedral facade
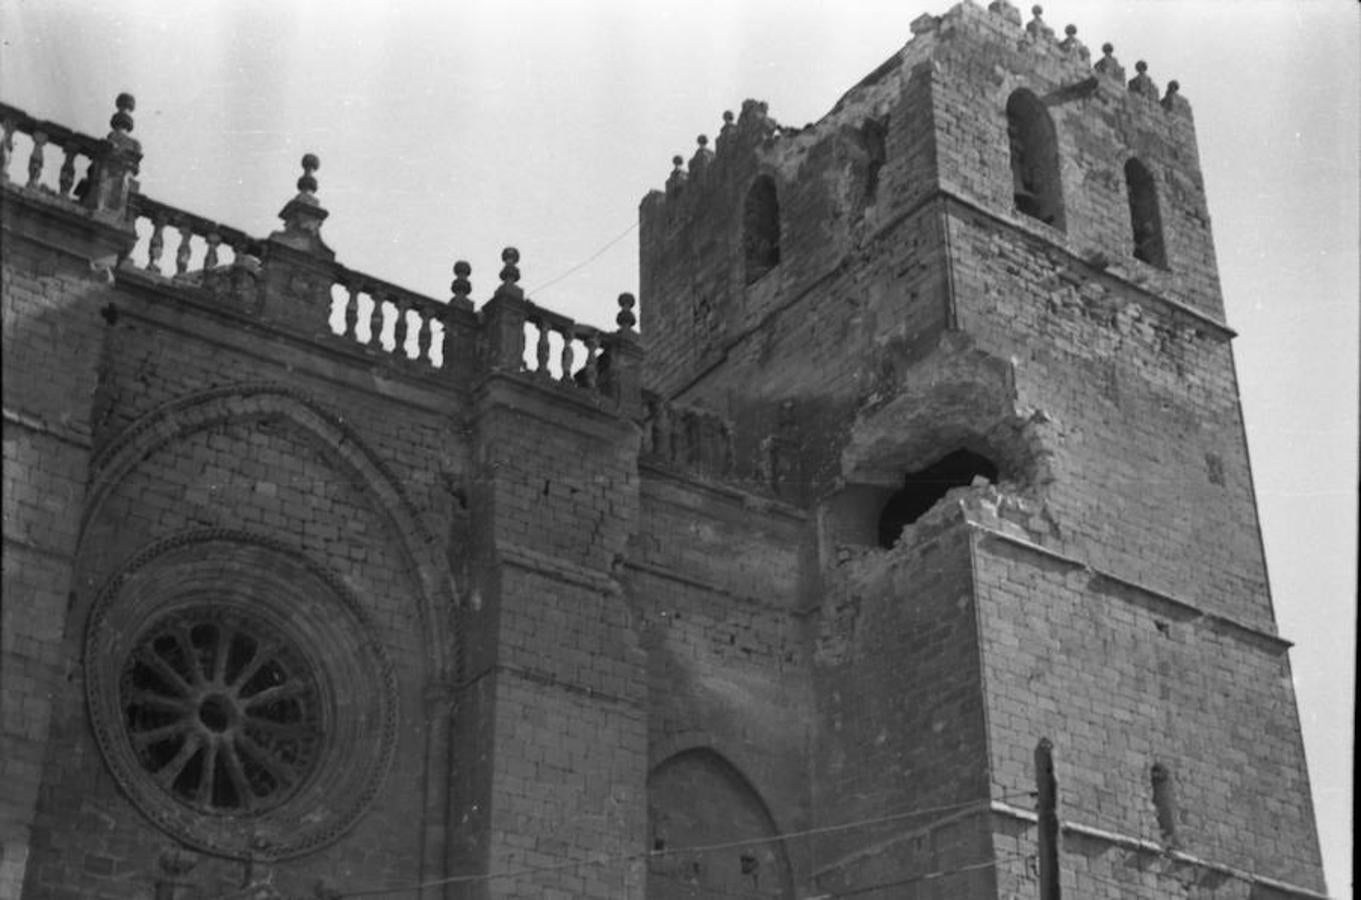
906,549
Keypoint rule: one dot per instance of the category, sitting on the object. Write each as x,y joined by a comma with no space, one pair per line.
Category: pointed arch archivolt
184,416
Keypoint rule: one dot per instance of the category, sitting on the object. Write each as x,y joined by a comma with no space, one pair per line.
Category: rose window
220,712
239,695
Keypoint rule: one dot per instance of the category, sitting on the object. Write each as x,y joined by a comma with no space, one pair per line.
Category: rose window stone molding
239,695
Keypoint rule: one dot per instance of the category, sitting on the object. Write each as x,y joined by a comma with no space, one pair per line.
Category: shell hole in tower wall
924,488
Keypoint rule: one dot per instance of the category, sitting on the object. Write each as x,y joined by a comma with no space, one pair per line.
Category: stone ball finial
1141,83
510,272
122,119
461,286
677,161
1070,30
1036,27
307,184
703,141
626,319
1169,100
727,117
1108,48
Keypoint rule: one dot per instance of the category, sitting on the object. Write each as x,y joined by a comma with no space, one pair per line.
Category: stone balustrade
94,173
292,281
39,147
564,350
385,318
521,336
198,243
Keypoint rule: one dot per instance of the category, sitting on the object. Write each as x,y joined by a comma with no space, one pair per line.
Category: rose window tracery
239,695
222,714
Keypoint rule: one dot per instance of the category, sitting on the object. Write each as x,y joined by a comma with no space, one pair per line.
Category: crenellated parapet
736,227
292,281
1077,151
1038,37
737,138
1064,60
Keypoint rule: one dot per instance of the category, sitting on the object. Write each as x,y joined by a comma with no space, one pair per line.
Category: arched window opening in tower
761,229
873,134
923,489
1144,216
1036,185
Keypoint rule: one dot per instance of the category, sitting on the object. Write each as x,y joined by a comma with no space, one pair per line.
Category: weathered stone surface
646,594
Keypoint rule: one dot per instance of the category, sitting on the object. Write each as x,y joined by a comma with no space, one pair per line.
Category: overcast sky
449,130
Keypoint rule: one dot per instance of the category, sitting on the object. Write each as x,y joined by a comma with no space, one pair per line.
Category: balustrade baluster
239,248
35,159
68,170
376,320
424,335
210,255
157,245
7,148
568,354
588,369
399,327
542,348
182,254
352,312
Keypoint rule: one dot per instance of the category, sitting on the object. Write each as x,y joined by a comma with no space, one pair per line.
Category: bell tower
971,322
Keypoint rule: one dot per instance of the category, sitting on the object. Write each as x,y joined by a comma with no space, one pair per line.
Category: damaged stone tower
910,550
970,325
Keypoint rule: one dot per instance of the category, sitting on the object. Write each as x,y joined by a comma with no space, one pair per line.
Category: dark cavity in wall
872,138
923,489
761,229
1145,219
1165,803
1034,159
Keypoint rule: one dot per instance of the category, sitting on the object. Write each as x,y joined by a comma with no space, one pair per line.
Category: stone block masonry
51,348
995,249
909,551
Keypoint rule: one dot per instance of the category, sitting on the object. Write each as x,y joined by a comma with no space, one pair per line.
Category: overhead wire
610,859
928,876
585,262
